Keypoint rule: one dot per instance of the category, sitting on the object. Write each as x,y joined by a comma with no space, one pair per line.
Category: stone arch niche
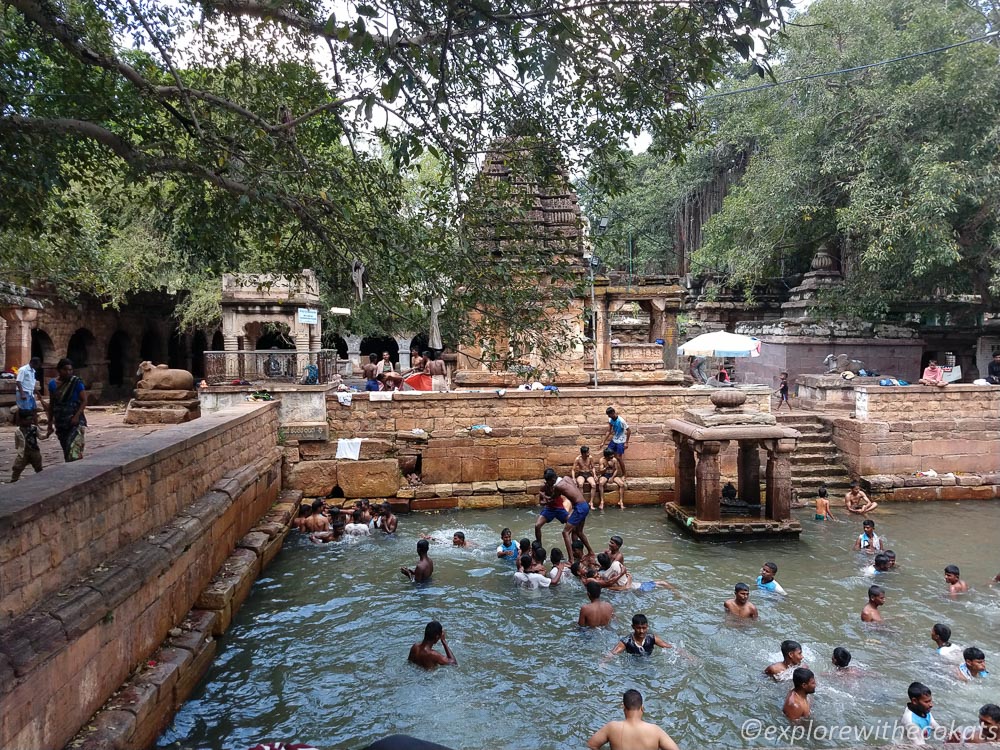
43,348
151,347
118,359
199,343
177,351
276,335
378,344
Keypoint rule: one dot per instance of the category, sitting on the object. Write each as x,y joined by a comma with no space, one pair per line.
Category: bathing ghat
118,572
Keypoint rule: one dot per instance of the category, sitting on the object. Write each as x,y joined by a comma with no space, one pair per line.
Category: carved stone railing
275,365
637,357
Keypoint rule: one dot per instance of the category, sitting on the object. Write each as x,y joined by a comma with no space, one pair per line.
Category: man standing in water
424,568
551,499
597,613
797,703
740,605
633,733
423,654
876,598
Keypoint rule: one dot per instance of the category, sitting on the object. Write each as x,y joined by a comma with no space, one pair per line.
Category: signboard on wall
308,316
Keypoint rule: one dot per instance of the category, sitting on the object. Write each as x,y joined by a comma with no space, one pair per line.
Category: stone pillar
301,350
18,346
684,469
748,471
231,345
708,487
779,480
670,342
403,346
354,351
602,336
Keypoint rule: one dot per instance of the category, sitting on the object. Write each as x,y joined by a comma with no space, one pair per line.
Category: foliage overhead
274,136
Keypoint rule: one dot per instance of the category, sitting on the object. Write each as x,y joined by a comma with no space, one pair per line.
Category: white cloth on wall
344,398
349,448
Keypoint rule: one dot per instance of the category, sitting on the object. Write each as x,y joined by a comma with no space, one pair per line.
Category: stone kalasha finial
728,398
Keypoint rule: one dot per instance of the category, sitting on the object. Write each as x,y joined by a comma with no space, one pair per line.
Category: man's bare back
568,489
316,522
631,734
595,614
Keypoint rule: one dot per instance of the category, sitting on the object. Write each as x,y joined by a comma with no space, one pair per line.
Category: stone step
814,457
818,470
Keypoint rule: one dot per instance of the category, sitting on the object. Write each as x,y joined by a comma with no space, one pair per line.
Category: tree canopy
251,135
897,166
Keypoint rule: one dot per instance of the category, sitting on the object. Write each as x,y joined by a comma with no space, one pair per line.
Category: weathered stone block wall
903,430
58,525
529,432
64,656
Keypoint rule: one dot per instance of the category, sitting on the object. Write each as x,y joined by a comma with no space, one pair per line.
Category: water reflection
318,653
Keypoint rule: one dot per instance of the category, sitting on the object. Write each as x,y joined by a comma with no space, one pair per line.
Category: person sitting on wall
933,375
993,370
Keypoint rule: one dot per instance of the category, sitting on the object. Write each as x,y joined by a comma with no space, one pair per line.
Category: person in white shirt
531,580
25,383
918,723
941,635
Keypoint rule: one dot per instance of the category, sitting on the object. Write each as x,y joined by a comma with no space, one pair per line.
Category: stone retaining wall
145,528
899,431
474,468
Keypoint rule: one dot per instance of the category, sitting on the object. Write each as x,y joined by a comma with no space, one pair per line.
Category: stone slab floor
105,427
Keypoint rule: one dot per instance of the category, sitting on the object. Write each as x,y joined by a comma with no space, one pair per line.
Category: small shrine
700,439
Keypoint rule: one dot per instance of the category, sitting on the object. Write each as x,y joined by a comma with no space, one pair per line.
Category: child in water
641,642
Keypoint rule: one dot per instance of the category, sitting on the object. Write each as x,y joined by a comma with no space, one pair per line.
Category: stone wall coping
731,432
272,388
607,394
953,388
839,344
41,494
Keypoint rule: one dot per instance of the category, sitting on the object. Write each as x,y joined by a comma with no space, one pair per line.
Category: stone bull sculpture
163,378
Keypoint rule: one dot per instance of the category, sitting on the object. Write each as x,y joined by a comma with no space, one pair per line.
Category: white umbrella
720,344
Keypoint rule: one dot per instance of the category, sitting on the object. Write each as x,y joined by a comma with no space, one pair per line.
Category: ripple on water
318,653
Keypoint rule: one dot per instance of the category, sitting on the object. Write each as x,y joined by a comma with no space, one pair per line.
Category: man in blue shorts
616,438
553,504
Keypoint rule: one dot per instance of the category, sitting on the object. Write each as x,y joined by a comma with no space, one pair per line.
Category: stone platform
149,406
733,528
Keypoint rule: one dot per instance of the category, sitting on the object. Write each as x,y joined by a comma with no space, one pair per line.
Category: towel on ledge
349,448
344,397
380,396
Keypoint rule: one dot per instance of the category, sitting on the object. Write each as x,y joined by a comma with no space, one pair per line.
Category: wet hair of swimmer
584,450
881,561
539,554
801,676
618,541
556,556
356,516
550,475
917,690
459,535
740,587
422,546
575,570
874,591
639,620
433,630
305,509
524,544
991,711
942,631
841,657
632,700
772,567
593,589
952,570
525,563
317,505
788,647
577,544
973,654
604,560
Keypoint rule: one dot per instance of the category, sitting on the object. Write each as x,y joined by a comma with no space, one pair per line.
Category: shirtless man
435,367
553,504
317,521
740,605
823,506
597,613
633,733
370,372
614,550
424,568
566,487
952,576
390,381
857,501
610,473
423,654
583,472
791,656
876,598
386,520
797,703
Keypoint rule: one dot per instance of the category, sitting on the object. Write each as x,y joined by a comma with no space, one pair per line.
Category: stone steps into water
816,460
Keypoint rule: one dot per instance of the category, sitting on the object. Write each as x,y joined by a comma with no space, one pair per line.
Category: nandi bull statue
842,363
163,378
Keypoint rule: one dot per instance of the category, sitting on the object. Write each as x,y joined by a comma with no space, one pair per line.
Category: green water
318,652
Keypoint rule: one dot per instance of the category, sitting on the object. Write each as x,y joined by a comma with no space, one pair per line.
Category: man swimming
640,642
766,582
797,702
791,656
596,613
876,598
740,605
952,576
423,654
424,567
